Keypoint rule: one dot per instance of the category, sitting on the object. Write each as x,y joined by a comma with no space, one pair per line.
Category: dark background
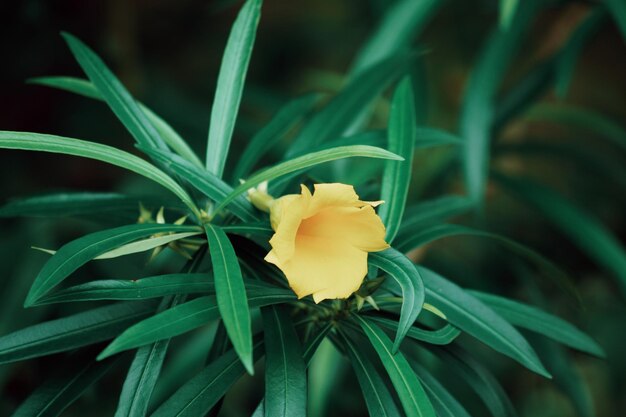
168,53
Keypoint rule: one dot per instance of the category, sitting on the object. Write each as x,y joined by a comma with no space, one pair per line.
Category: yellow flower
321,241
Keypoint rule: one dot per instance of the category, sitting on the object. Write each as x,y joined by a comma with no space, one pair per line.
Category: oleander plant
343,259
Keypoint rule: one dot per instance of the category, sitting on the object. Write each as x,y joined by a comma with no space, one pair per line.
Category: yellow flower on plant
321,240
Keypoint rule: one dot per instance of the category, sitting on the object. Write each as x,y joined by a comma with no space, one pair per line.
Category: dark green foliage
409,333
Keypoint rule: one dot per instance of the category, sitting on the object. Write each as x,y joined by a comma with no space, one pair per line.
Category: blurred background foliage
168,54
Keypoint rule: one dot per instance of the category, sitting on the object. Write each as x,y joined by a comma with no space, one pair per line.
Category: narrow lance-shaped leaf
525,92
397,29
205,182
284,120
566,376
403,271
136,289
578,118
56,394
231,293
308,351
443,336
536,320
79,204
87,89
407,385
332,120
80,251
507,13
183,363
572,50
376,394
115,95
472,316
397,175
585,231
186,317
413,239
443,402
460,364
71,332
285,370
432,211
68,146
145,245
204,390
425,137
307,161
477,115
143,373
230,84
399,26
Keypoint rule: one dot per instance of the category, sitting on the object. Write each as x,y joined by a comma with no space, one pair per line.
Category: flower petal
357,226
286,215
332,195
322,267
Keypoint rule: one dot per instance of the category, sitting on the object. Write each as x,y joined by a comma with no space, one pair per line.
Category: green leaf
618,10
479,103
473,317
284,120
426,137
285,370
585,231
230,84
205,182
262,230
78,204
314,342
61,391
414,239
525,92
507,13
80,251
204,390
572,50
143,374
538,321
332,120
183,363
328,360
397,29
443,402
87,89
145,245
404,272
231,293
307,161
397,176
68,146
593,162
115,95
407,385
309,350
186,317
578,118
432,211
478,378
566,376
376,394
443,336
71,332
138,289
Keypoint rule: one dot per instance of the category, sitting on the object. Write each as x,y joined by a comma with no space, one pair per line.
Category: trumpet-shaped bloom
321,240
